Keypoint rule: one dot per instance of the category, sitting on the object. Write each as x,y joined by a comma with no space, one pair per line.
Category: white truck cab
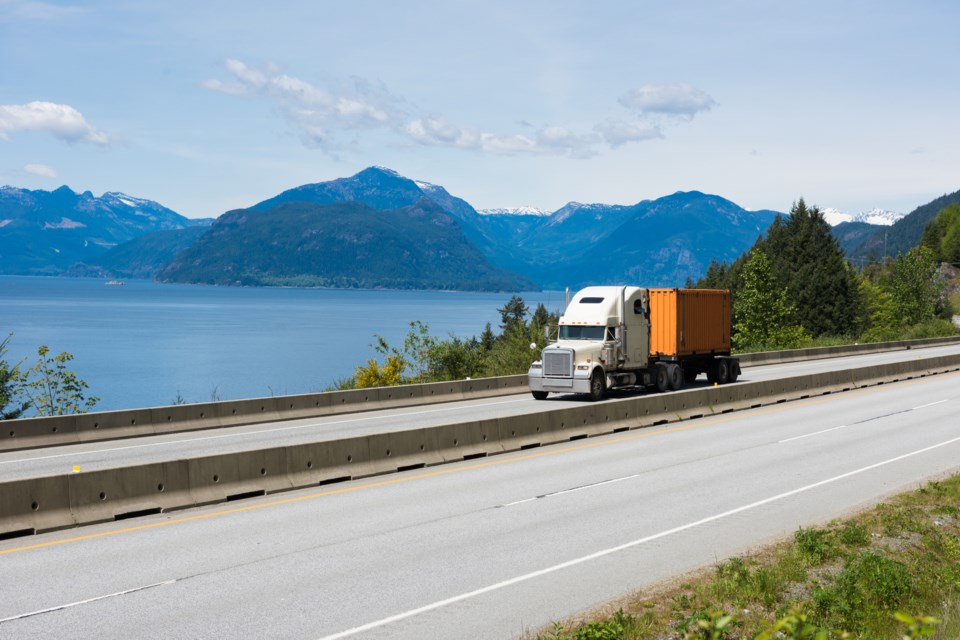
602,335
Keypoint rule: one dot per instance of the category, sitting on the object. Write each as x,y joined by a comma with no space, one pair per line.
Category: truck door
637,328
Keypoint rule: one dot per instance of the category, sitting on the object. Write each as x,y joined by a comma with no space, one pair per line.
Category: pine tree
487,339
807,258
513,314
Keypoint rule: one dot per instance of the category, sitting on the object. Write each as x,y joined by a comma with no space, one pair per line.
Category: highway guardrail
34,505
32,433
819,353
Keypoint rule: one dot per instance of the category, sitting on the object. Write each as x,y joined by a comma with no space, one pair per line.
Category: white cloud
436,131
42,170
59,120
317,112
682,100
322,114
619,132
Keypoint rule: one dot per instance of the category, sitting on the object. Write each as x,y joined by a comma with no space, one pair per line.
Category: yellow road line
698,422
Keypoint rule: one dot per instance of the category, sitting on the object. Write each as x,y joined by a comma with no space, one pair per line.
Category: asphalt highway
487,548
148,449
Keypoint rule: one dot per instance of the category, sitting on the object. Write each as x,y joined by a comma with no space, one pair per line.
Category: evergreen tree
513,314
808,260
942,235
487,338
11,384
764,314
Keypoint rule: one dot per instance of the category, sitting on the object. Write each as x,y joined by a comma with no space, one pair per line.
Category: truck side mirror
546,332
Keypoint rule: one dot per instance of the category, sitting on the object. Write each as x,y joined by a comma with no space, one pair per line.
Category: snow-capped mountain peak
874,216
426,187
514,211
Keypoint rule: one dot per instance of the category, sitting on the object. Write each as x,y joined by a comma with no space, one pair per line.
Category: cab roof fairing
606,312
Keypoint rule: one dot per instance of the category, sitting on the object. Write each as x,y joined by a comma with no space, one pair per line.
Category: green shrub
865,594
815,544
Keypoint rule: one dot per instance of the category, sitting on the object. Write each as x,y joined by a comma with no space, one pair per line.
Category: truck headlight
582,367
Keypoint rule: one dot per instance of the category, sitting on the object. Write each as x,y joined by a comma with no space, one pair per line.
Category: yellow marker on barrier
76,469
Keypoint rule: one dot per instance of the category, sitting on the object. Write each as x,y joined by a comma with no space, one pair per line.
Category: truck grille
558,363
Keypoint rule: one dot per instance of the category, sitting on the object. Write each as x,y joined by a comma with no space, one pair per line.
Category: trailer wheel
675,376
540,395
734,369
719,371
661,379
723,371
598,385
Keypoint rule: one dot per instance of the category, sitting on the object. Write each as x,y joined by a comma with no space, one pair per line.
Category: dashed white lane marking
815,433
554,494
87,601
844,426
924,406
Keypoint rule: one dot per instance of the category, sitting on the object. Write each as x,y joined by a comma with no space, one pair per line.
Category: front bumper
576,384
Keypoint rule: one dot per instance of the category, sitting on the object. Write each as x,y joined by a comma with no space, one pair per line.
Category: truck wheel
723,371
661,378
734,368
719,371
675,376
598,385
540,395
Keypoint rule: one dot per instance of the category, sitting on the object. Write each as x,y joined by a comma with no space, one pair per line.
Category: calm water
141,344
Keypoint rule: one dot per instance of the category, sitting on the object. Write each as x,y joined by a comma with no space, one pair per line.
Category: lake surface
144,343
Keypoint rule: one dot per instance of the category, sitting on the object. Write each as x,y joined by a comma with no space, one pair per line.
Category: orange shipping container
685,322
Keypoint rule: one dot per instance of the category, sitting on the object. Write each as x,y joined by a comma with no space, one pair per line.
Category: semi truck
622,336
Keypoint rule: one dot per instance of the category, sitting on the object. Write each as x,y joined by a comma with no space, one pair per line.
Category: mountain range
876,217
379,229
903,234
47,232
341,244
657,242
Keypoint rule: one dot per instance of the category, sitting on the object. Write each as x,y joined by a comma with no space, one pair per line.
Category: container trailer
619,336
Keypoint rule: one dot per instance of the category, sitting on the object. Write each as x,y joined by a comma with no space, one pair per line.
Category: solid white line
815,433
606,552
87,601
924,406
77,454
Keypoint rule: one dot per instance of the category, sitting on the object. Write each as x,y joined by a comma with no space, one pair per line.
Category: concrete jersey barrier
30,433
40,504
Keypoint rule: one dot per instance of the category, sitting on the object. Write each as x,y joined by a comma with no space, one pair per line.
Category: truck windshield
578,332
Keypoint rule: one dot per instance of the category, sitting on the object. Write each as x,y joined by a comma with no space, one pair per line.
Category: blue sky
209,106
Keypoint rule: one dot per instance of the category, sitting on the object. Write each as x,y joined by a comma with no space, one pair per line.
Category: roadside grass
891,572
